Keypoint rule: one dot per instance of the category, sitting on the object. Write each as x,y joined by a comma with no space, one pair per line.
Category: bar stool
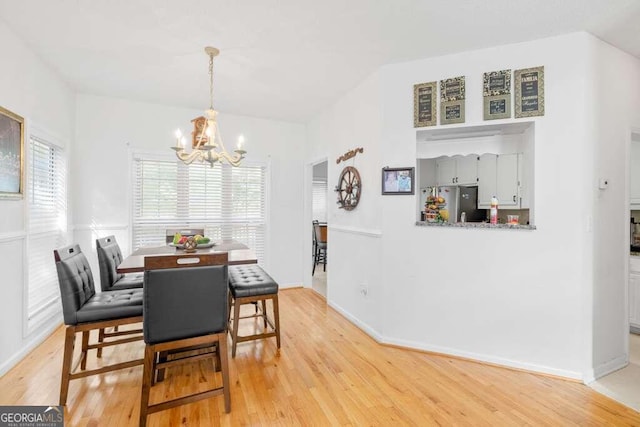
249,284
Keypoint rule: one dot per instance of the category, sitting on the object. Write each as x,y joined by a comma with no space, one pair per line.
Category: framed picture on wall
452,97
497,95
11,155
425,98
398,181
529,88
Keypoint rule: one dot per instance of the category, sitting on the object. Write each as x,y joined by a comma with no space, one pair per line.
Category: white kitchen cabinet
507,183
486,180
446,168
634,293
467,170
499,175
634,175
458,170
634,300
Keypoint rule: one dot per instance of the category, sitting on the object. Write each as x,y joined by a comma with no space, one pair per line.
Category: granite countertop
634,253
476,225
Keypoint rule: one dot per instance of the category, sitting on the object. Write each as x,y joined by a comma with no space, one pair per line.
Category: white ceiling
282,59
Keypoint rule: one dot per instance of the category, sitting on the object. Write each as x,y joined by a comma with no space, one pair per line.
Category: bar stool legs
271,325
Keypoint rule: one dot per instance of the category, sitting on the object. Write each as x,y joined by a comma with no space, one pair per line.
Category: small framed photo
11,155
398,181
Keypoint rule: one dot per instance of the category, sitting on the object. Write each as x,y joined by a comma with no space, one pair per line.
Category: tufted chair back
75,280
109,257
186,299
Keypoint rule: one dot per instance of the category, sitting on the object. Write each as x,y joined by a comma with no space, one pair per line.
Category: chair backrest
183,231
75,280
184,296
320,232
314,224
109,257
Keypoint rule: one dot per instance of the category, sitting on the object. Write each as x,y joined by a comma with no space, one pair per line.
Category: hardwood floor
328,372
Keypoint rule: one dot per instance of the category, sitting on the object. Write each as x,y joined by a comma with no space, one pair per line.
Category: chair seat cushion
250,280
111,305
129,281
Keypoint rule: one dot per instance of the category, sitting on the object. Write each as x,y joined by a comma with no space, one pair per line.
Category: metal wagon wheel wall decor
349,188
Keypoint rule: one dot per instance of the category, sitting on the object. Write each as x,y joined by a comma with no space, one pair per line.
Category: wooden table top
238,254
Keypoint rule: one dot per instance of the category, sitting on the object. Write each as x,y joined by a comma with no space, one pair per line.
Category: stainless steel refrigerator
468,203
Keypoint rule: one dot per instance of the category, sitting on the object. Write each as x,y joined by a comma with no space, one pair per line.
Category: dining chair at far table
109,257
185,307
320,255
85,310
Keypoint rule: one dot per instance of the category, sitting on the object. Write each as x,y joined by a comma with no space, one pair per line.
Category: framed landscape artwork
11,155
398,181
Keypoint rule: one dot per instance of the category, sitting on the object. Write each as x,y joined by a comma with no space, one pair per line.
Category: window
228,201
319,195
47,228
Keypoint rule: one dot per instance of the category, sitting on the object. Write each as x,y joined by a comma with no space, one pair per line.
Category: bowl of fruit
191,242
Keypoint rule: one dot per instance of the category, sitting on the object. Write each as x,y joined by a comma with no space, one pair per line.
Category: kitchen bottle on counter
493,213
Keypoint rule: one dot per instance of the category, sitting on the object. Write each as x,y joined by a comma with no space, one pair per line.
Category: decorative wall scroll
452,96
425,98
349,154
529,88
11,155
497,95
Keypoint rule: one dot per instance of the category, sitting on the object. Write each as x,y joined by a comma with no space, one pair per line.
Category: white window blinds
47,227
229,202
319,195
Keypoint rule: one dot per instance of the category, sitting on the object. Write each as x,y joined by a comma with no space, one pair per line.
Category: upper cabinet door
446,168
634,173
507,180
486,180
467,170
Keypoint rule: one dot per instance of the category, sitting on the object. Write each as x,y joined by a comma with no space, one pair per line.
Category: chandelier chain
211,81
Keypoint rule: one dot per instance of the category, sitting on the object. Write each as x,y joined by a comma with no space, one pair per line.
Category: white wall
615,84
29,88
108,128
517,298
353,236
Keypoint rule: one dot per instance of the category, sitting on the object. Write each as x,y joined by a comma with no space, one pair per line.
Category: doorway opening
319,203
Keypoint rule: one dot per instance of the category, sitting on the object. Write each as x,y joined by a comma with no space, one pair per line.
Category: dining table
238,253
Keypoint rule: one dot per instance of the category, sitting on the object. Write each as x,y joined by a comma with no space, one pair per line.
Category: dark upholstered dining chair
85,310
185,307
109,257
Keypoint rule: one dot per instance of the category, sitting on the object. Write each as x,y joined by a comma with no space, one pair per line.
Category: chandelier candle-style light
206,143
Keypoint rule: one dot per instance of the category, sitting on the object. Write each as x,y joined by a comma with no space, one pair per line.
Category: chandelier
206,144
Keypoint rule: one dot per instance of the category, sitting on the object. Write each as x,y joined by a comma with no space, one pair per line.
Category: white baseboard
366,328
290,285
28,346
445,351
606,368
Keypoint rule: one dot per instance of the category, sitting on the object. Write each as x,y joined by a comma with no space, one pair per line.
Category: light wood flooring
328,372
